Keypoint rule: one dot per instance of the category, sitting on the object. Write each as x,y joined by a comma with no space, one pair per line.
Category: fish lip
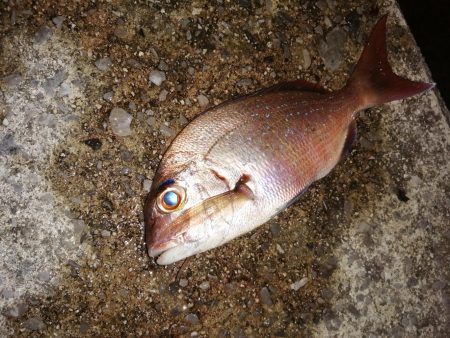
156,249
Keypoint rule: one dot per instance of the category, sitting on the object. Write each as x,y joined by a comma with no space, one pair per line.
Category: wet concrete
365,252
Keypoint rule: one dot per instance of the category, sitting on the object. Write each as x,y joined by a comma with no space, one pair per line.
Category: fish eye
171,199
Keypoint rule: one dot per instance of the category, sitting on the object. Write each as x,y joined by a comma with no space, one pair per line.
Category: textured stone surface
365,252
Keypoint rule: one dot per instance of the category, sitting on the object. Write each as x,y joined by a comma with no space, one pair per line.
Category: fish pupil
171,199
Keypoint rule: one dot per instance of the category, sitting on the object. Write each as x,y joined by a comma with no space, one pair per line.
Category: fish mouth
158,249
160,244
170,252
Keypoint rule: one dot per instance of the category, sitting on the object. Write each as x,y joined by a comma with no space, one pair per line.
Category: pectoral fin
242,188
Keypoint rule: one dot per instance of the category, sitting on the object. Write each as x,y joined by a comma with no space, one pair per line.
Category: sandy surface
365,252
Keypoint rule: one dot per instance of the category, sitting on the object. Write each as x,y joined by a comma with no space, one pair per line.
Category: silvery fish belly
238,164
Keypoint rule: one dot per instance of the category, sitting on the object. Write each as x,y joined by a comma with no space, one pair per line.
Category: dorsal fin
295,85
349,140
299,85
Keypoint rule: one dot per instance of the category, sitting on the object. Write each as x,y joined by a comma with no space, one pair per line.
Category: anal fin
349,140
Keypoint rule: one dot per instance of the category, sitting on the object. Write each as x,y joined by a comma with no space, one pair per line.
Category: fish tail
373,79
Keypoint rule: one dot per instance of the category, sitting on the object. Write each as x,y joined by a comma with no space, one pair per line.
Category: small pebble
166,131
34,324
12,80
132,106
51,84
157,77
299,284
65,89
93,143
7,293
202,100
163,66
42,35
364,227
122,32
264,295
152,122
275,229
43,276
163,95
16,311
306,59
193,319
58,20
182,120
204,285
183,282
120,122
331,50
84,327
279,249
105,233
108,96
103,64
146,185
318,30
78,226
244,82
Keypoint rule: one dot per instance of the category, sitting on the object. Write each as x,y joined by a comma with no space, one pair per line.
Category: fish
238,164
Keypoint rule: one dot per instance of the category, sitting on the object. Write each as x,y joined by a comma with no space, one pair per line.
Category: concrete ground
365,252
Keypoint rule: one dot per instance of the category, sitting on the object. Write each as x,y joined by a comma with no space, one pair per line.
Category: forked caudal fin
373,78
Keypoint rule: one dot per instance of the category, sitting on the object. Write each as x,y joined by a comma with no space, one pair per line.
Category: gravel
42,36
163,95
51,85
34,324
120,122
166,131
93,143
244,82
12,80
146,185
16,311
58,20
204,285
331,49
275,229
202,100
264,295
193,319
157,77
103,64
108,96
183,282
299,284
306,58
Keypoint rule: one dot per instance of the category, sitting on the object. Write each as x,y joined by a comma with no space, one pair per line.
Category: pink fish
240,163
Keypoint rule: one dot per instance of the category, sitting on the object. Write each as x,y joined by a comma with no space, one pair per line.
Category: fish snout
157,241
162,234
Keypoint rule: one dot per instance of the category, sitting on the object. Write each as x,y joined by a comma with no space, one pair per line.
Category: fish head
190,212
